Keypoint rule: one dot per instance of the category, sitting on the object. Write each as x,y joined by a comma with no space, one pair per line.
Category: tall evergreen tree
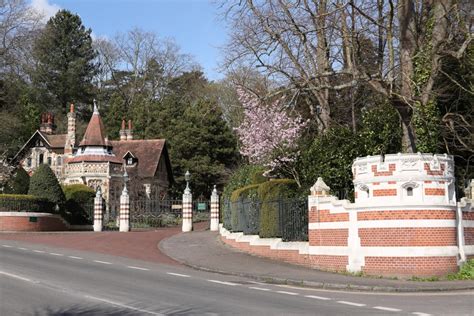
66,65
44,184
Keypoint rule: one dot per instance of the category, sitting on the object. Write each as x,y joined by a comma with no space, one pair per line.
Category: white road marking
56,254
178,274
259,288
138,268
22,248
285,292
39,251
318,297
421,314
7,246
388,309
17,277
223,282
74,257
351,303
122,305
103,262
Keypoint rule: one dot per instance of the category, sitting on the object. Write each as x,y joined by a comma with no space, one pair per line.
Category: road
42,280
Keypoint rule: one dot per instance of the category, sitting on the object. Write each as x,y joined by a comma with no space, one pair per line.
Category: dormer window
130,161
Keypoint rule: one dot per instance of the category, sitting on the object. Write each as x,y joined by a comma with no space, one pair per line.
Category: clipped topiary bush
44,184
18,183
245,210
79,204
270,192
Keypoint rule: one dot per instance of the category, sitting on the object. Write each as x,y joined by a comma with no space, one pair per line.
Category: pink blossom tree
268,134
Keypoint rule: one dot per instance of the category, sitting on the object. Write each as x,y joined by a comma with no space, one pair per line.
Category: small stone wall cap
320,186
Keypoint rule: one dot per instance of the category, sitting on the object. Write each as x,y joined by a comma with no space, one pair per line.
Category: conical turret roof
95,132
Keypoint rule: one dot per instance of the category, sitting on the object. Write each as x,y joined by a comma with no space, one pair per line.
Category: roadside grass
465,273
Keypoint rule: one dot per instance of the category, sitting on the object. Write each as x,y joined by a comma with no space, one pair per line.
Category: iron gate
155,213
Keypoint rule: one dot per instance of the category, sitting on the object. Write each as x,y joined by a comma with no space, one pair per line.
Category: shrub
245,175
465,273
245,209
269,193
18,183
44,184
25,203
79,201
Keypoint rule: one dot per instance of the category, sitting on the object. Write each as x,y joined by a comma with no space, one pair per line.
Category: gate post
124,225
98,206
214,210
187,206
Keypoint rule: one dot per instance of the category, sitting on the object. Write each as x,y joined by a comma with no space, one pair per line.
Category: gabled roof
51,141
95,132
148,153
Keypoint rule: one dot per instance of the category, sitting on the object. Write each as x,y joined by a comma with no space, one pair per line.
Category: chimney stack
129,130
47,123
71,131
123,132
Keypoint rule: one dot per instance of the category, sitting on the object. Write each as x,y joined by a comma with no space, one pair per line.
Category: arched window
49,161
28,162
409,191
409,188
41,159
364,190
58,161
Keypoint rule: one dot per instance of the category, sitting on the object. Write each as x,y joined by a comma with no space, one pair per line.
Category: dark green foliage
18,183
25,203
269,193
65,65
380,131
79,204
245,216
243,176
330,157
44,184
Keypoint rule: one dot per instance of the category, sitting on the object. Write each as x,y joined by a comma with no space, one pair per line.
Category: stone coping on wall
274,243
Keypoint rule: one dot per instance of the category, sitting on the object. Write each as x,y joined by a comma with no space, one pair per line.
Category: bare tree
315,47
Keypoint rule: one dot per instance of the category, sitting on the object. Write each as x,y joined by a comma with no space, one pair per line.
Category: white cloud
45,8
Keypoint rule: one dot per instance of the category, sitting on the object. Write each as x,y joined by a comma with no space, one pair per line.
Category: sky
194,24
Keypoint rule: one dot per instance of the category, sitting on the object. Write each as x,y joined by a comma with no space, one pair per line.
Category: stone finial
320,188
214,191
96,109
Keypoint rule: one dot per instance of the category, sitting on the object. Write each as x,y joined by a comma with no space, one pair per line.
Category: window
28,162
49,161
409,191
58,161
41,159
130,161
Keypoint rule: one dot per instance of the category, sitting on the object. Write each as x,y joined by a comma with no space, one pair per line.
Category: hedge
79,204
25,203
44,184
270,192
245,209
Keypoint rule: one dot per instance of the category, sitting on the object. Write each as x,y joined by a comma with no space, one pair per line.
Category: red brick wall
468,216
331,263
434,172
324,216
406,214
328,237
22,223
391,169
469,235
410,266
407,237
434,191
385,192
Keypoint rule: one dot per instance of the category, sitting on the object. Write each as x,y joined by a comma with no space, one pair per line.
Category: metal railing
291,216
26,205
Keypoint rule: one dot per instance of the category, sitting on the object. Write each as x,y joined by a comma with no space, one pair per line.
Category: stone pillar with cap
320,188
98,207
124,223
214,210
187,206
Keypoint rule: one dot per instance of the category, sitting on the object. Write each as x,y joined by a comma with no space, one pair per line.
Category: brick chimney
71,131
123,132
47,123
129,131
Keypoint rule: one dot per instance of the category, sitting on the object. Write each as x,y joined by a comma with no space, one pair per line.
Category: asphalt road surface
42,280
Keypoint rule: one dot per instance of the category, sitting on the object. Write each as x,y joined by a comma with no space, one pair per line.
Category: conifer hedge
44,184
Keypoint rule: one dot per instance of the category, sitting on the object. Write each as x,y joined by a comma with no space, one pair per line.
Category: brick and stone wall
405,221
24,221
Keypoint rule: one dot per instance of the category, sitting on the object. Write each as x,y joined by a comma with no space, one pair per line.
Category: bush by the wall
25,203
243,176
79,204
18,183
269,193
44,184
245,209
